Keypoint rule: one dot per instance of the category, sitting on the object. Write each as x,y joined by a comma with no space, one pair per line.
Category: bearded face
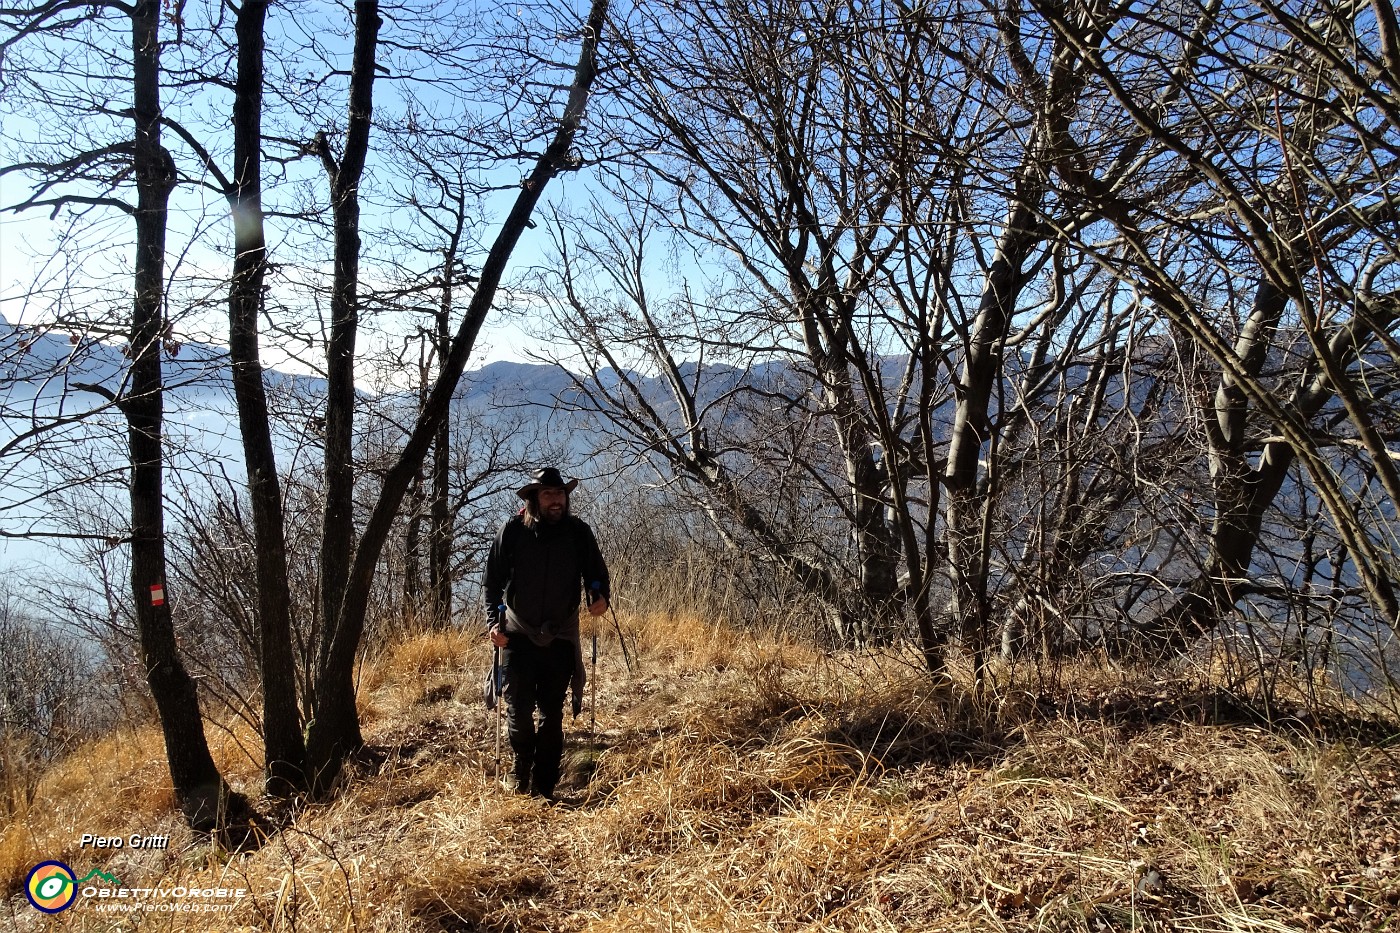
553,504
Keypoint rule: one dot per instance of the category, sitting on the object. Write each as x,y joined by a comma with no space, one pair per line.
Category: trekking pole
620,637
594,594
597,588
496,687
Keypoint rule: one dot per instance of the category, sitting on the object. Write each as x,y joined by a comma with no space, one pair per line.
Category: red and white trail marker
157,594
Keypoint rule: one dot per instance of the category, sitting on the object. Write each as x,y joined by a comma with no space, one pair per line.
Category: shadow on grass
901,738
1220,707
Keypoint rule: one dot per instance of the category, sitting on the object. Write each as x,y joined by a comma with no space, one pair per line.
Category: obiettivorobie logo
52,886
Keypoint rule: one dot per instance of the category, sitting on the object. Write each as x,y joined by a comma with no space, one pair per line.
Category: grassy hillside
741,783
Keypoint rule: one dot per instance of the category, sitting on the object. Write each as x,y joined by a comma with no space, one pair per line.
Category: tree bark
982,367
335,678
284,753
338,525
440,517
199,788
1244,493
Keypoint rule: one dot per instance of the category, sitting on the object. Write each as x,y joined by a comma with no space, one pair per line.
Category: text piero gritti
134,841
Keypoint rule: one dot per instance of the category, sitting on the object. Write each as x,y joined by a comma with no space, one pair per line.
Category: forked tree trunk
338,525
982,367
335,731
284,752
337,541
1244,491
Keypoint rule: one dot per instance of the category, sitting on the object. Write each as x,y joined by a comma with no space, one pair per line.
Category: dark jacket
540,575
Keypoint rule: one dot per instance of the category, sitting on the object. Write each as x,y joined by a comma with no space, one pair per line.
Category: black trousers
537,679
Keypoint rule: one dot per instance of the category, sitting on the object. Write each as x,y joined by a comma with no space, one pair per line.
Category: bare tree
1287,156
345,172
334,733
445,195
778,153
141,164
876,178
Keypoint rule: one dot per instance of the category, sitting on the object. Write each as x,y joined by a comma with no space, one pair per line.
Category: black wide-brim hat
546,478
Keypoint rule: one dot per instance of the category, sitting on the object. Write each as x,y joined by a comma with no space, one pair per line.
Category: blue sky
305,43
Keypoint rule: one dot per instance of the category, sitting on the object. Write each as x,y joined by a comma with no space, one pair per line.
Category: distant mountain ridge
47,374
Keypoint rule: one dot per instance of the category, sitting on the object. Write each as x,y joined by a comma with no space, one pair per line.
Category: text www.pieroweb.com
183,907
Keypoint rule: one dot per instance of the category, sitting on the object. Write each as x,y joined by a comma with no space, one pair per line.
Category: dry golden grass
117,786
747,783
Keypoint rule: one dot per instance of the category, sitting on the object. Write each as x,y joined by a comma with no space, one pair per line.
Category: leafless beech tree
1009,246
761,145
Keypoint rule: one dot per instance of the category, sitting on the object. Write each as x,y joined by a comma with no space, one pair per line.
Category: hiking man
538,567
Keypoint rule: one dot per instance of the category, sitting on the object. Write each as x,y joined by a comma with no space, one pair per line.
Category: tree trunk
877,546
338,525
412,588
1243,493
440,535
284,753
335,732
981,369
337,542
199,788
829,346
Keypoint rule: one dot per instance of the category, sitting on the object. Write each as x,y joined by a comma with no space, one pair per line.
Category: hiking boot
517,784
